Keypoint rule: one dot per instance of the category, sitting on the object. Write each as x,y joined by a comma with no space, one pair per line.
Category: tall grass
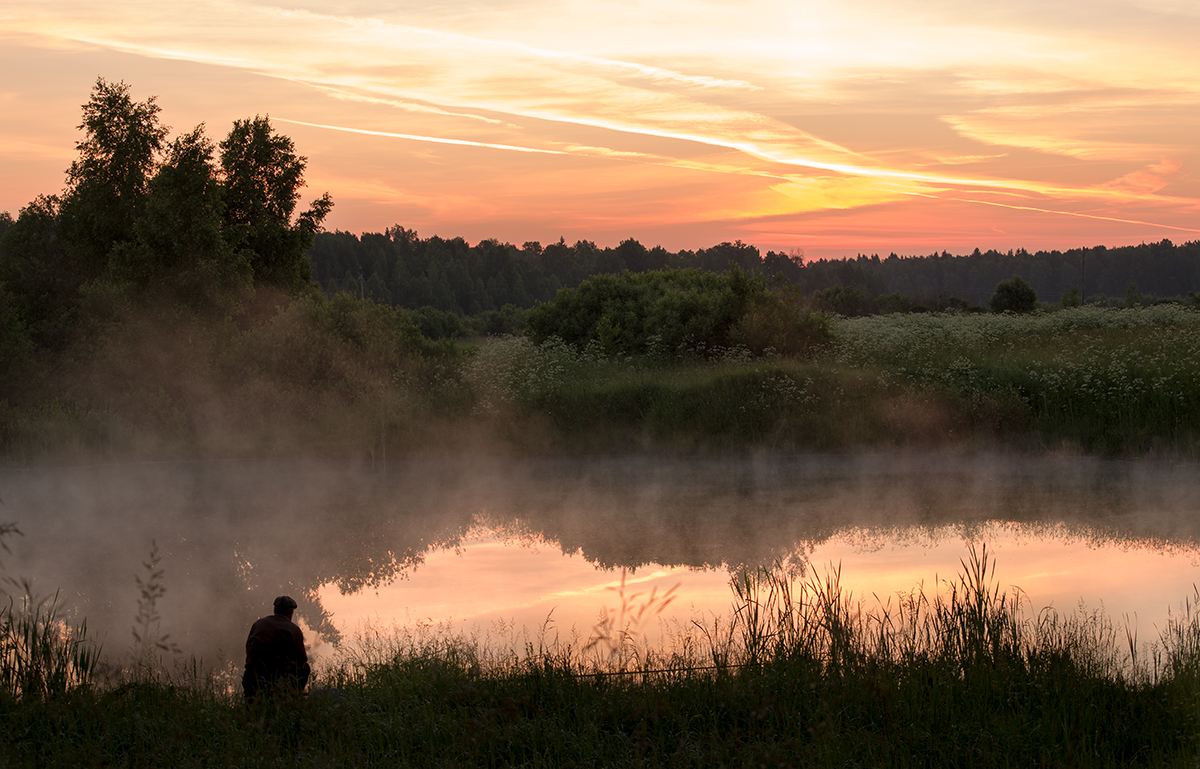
1107,381
41,654
801,674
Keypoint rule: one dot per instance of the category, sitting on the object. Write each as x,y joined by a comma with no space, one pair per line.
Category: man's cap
285,602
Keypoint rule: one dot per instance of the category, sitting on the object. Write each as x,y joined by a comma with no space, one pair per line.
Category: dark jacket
274,652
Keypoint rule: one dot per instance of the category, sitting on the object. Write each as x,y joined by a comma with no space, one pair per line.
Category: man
275,655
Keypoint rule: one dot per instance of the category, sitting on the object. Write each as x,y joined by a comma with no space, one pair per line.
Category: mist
233,535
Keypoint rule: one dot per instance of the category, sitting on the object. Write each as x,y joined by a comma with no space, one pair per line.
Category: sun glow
648,118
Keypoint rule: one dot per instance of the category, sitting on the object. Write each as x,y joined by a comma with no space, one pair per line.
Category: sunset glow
862,126
499,591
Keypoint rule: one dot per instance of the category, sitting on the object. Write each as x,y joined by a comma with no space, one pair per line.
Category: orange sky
836,128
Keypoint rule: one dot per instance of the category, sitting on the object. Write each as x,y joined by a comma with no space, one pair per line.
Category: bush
676,313
1013,295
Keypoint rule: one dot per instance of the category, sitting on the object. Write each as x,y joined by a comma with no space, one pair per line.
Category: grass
1080,380
800,675
1087,380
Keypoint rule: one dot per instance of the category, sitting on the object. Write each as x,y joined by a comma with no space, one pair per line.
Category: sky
822,128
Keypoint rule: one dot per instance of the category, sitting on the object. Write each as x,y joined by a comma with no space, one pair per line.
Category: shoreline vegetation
799,674
348,378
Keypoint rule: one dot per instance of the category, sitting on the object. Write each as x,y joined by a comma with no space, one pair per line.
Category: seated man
275,655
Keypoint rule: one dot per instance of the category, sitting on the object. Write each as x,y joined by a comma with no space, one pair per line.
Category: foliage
178,242
16,347
37,268
143,220
680,311
1013,295
262,181
108,183
847,301
400,268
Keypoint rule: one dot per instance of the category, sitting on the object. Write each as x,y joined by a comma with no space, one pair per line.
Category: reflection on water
491,585
478,541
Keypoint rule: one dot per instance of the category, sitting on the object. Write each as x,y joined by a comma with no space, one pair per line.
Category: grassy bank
800,675
351,378
1106,381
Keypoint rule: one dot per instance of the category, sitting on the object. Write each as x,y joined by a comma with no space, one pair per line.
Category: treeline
163,301
189,221
399,268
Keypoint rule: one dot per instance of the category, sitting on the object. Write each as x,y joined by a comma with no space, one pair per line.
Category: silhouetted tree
178,242
1013,295
107,184
262,179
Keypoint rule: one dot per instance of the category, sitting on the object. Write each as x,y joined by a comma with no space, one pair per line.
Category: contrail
1063,213
417,138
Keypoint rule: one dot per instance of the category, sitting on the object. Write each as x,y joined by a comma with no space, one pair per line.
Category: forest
397,267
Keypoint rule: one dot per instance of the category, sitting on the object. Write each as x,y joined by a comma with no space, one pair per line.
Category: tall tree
107,184
178,243
262,179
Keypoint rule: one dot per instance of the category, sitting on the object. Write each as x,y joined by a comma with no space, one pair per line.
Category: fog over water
232,535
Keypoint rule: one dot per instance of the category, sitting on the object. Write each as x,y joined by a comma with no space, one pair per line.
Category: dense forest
399,268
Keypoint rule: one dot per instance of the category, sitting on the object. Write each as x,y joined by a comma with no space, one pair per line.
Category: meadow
347,378
1078,380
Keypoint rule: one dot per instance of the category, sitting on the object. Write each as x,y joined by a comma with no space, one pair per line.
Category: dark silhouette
275,656
1013,295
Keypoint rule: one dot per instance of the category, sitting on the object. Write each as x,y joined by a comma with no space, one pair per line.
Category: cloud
1148,180
787,107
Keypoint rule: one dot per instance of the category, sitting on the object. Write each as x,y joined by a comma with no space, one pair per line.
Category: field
1093,380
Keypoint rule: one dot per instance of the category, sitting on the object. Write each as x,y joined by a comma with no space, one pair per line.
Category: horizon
861,129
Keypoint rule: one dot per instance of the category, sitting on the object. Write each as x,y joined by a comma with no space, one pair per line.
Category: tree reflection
232,536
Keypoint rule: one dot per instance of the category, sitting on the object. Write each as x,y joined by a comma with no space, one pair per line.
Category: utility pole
1082,262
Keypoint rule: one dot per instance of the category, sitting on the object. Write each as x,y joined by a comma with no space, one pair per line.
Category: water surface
492,546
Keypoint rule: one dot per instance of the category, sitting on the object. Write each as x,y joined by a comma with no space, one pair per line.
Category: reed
802,673
41,654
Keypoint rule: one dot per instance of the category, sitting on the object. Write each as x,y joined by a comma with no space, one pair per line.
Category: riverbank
333,381
800,676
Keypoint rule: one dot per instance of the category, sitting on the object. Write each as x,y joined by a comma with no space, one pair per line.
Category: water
511,549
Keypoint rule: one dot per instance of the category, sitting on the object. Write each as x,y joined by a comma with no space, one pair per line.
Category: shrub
680,312
1013,295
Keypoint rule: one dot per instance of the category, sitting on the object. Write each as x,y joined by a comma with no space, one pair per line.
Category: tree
36,266
1013,295
107,184
178,242
262,181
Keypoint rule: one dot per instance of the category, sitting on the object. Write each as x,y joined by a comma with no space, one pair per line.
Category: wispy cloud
760,108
